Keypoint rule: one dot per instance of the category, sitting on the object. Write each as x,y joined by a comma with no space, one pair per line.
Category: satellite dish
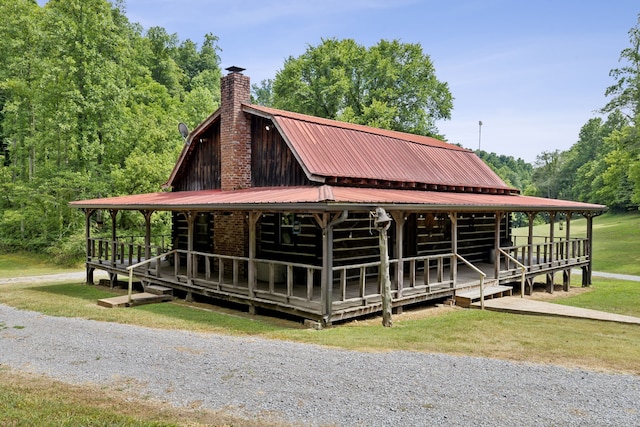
184,130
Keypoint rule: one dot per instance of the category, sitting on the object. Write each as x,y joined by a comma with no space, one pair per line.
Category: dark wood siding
355,241
476,233
201,169
304,246
202,230
272,162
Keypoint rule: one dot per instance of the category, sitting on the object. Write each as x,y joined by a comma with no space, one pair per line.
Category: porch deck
355,291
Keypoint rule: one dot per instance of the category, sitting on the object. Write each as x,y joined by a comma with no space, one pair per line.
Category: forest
90,103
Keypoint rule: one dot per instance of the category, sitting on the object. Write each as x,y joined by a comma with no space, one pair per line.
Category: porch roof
332,198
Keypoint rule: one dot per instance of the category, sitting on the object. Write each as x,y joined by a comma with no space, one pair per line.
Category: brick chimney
235,131
230,231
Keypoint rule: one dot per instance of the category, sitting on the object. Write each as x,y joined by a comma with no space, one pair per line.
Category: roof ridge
389,133
325,193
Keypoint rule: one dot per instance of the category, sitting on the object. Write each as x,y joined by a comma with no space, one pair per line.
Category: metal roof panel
331,148
327,197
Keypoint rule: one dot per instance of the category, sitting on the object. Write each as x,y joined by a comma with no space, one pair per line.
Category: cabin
282,211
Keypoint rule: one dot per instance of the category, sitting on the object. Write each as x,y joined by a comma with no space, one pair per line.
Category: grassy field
23,264
27,400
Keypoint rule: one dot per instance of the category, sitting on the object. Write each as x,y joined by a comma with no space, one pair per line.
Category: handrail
140,264
519,264
482,277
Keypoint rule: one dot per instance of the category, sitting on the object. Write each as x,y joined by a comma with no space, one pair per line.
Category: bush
68,251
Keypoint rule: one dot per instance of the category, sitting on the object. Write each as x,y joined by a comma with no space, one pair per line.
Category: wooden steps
468,297
153,294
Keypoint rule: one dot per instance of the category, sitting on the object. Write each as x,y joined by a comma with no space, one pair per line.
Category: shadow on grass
181,315
75,290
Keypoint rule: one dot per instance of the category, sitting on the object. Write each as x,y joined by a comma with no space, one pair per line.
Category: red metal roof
333,149
327,197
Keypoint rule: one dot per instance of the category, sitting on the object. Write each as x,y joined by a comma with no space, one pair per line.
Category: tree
622,174
262,94
545,175
391,85
86,111
625,91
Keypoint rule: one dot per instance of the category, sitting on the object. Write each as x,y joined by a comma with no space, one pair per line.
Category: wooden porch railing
125,251
482,277
549,254
131,268
519,264
300,284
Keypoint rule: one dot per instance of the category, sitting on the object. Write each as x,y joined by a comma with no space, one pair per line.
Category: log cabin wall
203,172
202,230
476,233
355,241
272,162
289,236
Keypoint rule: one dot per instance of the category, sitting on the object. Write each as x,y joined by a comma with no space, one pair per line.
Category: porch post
114,246
552,232
191,218
147,232
496,243
586,272
566,279
398,217
87,214
325,298
531,216
251,273
453,216
326,290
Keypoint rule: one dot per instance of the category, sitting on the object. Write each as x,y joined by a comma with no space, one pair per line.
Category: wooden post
327,261
566,282
323,222
531,216
147,233
382,223
496,244
399,218
552,229
453,216
87,214
586,273
251,273
114,246
190,216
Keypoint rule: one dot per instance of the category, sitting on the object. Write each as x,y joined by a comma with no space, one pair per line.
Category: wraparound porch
355,290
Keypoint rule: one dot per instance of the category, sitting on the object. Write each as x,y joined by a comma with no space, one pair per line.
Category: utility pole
479,134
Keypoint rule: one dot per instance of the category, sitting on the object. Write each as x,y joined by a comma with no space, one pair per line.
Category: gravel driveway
312,385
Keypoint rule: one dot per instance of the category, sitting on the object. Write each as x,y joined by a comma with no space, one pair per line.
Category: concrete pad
518,305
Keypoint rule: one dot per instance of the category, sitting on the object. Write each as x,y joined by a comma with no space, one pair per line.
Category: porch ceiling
333,198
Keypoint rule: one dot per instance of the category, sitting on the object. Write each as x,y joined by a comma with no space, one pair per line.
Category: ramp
515,304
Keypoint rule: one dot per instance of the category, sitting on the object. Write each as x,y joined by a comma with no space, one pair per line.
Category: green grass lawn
28,264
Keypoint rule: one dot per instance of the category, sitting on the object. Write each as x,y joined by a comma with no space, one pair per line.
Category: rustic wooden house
276,210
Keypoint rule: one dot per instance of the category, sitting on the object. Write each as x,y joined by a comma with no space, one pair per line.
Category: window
289,228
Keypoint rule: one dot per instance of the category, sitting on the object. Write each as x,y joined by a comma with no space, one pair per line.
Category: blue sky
533,72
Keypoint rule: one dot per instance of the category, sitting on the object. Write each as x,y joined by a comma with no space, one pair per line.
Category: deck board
136,299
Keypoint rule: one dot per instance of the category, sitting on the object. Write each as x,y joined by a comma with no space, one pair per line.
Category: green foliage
603,166
515,172
89,107
391,85
69,249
